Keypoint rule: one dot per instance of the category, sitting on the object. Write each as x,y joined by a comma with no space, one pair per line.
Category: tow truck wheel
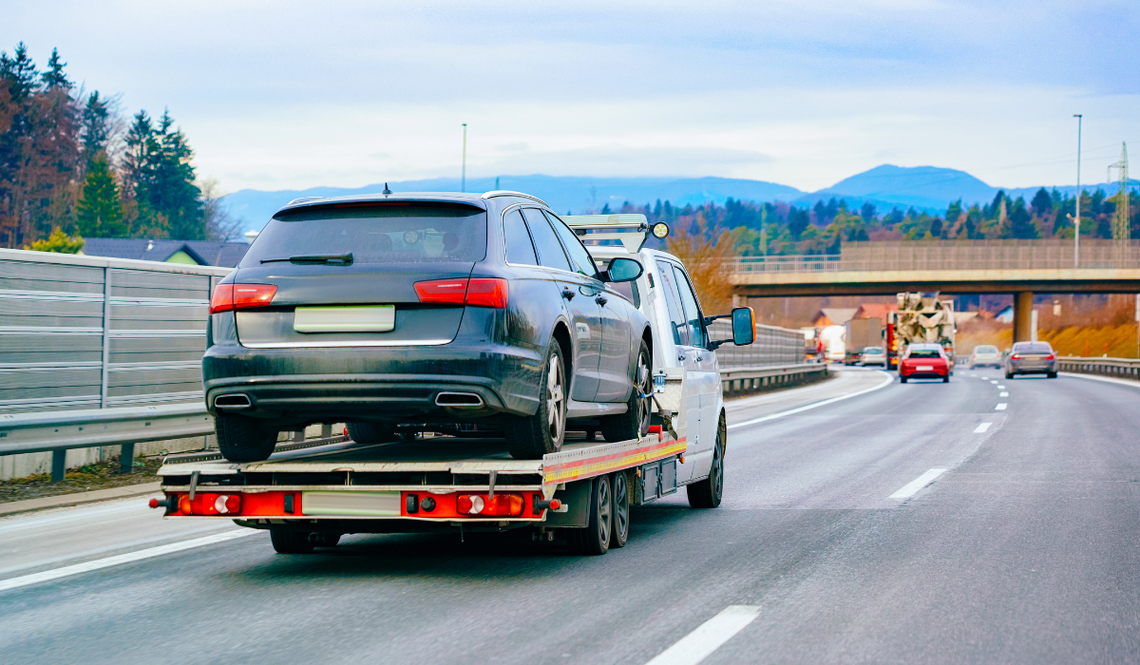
531,437
619,535
708,492
595,538
634,423
243,439
288,541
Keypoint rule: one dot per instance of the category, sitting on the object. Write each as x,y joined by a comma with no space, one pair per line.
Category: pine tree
100,211
96,126
54,76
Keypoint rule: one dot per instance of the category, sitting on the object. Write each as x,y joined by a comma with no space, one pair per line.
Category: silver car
873,355
1031,358
985,355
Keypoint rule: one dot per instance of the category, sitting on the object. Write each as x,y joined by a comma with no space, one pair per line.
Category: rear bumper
1034,368
398,384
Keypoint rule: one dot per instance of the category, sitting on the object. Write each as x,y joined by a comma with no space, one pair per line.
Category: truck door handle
568,294
600,300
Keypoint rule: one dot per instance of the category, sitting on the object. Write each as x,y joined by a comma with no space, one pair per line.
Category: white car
686,374
873,355
985,355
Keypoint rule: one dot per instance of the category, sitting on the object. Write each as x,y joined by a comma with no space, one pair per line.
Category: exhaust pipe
467,400
237,401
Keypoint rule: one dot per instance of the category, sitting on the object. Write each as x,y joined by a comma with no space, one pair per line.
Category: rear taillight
1016,356
500,505
241,296
475,292
1050,357
206,503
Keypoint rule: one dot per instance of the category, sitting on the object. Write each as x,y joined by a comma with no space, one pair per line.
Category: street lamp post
1077,221
463,176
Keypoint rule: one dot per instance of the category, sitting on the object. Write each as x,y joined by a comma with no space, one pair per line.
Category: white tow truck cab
309,494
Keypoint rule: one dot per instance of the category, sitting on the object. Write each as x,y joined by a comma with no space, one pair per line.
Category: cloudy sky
276,95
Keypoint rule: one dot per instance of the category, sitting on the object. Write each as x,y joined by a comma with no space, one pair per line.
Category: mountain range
927,188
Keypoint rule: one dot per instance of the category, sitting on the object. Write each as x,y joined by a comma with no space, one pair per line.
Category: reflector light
477,292
500,505
241,296
210,504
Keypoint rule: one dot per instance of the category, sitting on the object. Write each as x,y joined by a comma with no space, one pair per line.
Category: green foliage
58,242
100,211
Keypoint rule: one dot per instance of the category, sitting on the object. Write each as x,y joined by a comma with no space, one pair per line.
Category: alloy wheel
555,400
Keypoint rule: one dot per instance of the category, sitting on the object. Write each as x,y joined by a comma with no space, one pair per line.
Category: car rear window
923,353
1033,347
389,232
986,349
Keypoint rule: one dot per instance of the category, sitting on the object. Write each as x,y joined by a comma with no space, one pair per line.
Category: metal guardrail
1047,254
740,379
1126,368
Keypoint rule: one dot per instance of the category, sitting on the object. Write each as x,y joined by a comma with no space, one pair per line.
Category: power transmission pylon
1122,222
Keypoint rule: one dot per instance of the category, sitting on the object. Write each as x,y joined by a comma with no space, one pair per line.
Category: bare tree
220,224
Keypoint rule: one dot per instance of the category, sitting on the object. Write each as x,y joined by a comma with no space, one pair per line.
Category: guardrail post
299,436
127,458
58,465
105,378
326,430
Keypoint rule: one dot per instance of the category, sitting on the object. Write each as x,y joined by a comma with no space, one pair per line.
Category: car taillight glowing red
1016,356
241,296
475,292
500,505
1050,357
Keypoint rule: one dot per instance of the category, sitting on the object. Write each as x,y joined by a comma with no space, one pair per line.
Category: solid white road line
699,644
910,489
887,380
67,571
1003,394
1000,407
982,427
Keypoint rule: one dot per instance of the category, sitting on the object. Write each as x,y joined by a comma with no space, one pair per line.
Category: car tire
902,379
531,437
595,538
634,423
945,379
371,432
1009,375
244,439
1050,375
708,492
290,541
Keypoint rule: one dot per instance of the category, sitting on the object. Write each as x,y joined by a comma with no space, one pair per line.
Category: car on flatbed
308,495
424,312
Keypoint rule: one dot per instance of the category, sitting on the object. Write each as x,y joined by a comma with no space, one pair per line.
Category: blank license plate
364,504
926,368
370,318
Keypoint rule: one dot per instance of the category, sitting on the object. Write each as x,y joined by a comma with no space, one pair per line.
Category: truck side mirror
743,326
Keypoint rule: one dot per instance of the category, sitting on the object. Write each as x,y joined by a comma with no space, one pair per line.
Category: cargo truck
858,335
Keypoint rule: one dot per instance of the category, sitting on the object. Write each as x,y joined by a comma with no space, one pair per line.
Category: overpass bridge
1017,267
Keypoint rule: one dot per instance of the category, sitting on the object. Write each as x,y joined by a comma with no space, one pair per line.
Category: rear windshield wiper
335,259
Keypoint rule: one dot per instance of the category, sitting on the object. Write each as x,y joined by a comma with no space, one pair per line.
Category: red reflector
487,292
477,292
500,505
446,291
208,503
241,296
555,504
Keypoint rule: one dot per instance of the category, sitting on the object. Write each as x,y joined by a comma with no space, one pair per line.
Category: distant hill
927,188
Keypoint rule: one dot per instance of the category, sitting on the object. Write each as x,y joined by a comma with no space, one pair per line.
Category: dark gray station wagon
436,309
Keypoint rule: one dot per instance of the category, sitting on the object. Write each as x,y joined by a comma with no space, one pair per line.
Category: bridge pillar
1023,316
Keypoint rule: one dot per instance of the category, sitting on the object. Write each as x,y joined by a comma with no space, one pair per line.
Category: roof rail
632,230
506,192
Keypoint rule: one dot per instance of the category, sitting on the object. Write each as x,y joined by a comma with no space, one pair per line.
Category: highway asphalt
915,523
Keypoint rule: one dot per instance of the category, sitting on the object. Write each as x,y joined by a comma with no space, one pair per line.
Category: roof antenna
386,191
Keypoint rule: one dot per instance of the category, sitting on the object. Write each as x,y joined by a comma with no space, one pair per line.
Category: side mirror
743,326
622,269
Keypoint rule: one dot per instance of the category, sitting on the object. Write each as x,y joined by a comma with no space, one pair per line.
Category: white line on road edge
887,380
982,428
1000,407
699,644
1003,394
68,571
910,489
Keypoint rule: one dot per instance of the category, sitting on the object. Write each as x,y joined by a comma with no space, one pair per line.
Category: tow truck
309,494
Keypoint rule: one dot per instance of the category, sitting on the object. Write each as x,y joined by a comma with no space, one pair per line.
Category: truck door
577,291
690,359
704,373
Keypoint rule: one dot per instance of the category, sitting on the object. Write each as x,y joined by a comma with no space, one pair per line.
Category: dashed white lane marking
1003,394
67,571
982,427
994,382
1000,406
908,490
887,380
1001,387
708,637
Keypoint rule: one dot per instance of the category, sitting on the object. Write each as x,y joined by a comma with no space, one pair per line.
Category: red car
924,361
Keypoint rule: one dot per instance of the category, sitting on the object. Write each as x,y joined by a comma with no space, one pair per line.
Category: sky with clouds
276,95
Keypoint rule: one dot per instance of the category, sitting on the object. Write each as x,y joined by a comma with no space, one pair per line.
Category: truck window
520,251
673,304
693,320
